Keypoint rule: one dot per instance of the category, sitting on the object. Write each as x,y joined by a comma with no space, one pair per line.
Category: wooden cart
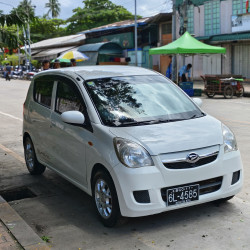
227,85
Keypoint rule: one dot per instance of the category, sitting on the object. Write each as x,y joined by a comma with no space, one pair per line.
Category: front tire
210,91
34,167
228,92
105,199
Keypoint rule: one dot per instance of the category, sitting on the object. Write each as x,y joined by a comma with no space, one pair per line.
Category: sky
145,8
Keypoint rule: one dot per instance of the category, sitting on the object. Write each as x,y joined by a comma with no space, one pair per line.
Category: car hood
174,136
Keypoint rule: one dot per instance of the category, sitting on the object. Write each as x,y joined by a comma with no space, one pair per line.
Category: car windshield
136,100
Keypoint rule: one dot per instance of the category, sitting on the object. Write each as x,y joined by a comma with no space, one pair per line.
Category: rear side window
43,91
68,98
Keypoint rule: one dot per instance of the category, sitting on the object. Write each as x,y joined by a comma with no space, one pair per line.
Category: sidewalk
15,233
7,240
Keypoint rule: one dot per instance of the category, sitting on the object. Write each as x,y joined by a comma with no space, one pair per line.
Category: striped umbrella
77,55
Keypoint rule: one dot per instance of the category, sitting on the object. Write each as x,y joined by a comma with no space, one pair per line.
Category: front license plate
182,194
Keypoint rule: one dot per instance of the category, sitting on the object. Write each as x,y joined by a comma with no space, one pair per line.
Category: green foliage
47,28
96,13
45,238
24,13
7,39
36,63
4,62
8,22
54,8
11,59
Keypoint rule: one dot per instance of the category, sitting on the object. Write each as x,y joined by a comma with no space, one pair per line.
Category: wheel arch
25,135
98,167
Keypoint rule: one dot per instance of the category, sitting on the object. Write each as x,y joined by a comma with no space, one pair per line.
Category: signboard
241,22
125,40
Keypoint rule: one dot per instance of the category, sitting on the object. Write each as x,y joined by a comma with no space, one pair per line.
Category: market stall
188,46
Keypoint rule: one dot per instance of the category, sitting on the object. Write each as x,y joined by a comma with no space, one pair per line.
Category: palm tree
54,8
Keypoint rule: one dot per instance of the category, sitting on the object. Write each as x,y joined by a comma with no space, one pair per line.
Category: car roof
94,72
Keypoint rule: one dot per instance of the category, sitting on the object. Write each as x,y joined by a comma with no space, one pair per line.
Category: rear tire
105,199
34,167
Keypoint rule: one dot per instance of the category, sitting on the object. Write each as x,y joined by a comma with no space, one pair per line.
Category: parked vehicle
227,85
130,138
17,73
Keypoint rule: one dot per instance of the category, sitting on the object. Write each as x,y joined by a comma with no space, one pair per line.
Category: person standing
186,69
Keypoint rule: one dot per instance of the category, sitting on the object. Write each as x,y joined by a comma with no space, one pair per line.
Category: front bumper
154,180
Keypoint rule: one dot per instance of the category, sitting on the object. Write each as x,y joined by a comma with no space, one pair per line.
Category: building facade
224,23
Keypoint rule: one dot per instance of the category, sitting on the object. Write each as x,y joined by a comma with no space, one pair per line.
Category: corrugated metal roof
52,52
116,25
130,23
59,41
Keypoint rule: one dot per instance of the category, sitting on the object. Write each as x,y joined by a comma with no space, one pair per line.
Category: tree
25,11
8,36
45,28
96,13
54,8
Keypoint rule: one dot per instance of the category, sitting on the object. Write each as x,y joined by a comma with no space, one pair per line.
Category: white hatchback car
129,137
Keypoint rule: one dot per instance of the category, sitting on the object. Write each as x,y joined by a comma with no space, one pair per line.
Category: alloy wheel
29,155
103,198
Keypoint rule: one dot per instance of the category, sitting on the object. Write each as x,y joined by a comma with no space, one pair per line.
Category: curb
20,230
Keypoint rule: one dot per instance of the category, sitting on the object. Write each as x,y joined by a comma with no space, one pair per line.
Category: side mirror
198,101
73,117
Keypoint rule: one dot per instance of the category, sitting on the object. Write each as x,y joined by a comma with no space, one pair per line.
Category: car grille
206,186
183,164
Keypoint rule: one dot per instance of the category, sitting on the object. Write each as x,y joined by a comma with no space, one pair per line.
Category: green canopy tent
187,45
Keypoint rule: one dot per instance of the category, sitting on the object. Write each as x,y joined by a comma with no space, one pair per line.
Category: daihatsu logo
192,157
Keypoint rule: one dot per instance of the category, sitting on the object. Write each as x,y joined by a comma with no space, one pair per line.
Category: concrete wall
227,60
225,17
199,21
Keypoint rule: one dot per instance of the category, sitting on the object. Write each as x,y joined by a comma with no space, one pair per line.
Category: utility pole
135,36
183,20
25,41
18,49
28,31
174,59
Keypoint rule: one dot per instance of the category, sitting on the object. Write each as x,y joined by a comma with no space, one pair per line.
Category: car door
40,108
69,141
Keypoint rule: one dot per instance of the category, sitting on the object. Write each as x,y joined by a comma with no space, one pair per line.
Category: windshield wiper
196,116
135,123
156,121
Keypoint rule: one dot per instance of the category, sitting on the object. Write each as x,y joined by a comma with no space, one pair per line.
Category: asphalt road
65,214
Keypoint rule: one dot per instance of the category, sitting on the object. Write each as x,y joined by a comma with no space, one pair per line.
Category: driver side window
68,98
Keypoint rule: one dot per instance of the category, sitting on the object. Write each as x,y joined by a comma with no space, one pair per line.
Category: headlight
131,154
230,143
